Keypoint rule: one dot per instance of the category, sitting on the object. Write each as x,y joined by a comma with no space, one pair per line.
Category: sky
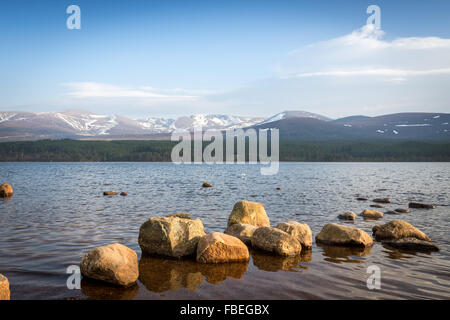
252,58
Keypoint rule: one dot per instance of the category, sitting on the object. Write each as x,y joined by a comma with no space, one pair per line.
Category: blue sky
169,58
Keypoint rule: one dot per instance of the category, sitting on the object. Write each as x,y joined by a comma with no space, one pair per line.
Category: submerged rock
123,194
392,212
249,212
418,205
4,288
379,206
6,191
219,247
170,236
400,210
301,231
109,193
276,241
278,188
349,215
398,229
335,234
372,214
362,198
243,232
411,244
206,185
114,263
382,200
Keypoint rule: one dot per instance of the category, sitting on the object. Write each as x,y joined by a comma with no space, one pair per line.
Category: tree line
160,151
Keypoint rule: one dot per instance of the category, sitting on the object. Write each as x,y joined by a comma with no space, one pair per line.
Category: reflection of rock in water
396,254
160,274
338,254
273,263
102,291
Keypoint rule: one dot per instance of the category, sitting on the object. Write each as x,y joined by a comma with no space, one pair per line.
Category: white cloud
83,90
364,53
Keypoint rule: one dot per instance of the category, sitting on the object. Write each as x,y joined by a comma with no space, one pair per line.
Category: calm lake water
58,214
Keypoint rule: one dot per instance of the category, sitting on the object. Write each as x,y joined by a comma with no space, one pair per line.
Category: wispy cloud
83,90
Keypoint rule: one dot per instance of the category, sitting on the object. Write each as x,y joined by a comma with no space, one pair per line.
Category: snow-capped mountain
295,114
79,123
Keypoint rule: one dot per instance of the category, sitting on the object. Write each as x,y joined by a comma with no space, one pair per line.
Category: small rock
170,236
400,210
4,288
278,188
391,212
362,198
335,234
349,215
243,232
109,193
123,194
276,241
301,231
421,205
382,200
181,215
372,214
379,206
6,191
249,212
398,229
114,263
412,244
206,185
219,247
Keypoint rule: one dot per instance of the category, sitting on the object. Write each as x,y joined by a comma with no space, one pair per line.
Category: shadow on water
159,274
267,262
98,290
338,254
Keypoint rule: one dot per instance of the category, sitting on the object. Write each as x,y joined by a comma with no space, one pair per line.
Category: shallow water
58,213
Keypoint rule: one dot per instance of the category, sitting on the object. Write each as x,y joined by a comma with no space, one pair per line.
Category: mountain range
299,125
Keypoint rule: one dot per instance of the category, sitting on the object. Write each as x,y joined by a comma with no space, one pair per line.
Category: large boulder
4,288
243,232
6,191
114,263
398,229
249,212
301,231
219,247
170,236
349,215
372,214
276,241
411,244
335,234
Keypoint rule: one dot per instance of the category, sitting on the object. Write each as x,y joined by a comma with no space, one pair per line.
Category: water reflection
272,263
397,254
159,274
100,291
339,254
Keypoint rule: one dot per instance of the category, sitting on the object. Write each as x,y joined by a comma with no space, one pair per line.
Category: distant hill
400,126
293,125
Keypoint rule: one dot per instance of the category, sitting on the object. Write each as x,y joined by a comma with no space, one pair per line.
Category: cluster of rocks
374,214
